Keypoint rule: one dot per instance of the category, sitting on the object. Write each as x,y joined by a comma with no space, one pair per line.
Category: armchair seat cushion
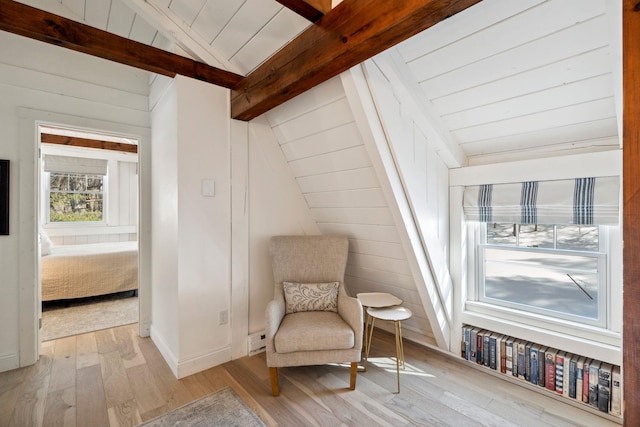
313,331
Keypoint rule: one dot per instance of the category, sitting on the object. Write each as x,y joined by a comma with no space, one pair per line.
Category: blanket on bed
78,271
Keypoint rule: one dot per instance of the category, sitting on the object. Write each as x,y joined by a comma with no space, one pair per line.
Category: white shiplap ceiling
511,80
504,79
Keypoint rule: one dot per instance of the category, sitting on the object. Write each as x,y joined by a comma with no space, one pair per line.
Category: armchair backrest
309,259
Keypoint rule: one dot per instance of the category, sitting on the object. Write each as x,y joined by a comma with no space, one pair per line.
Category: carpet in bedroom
63,319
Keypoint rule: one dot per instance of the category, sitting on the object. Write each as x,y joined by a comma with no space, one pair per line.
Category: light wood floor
115,378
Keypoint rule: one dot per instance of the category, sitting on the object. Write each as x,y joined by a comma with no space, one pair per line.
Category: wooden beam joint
349,34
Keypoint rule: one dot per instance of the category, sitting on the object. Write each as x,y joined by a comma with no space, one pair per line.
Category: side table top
390,313
378,299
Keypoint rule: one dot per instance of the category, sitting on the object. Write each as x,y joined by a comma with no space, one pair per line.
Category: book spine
473,337
509,351
521,358
616,392
585,381
604,387
579,373
541,367
486,352
503,355
594,369
572,376
479,341
550,370
533,358
464,343
559,373
514,372
527,361
565,378
493,354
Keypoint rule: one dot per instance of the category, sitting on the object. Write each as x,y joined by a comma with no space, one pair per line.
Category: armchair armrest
274,314
350,309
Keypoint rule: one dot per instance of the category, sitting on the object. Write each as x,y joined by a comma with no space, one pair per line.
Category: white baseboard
205,361
184,368
9,362
167,354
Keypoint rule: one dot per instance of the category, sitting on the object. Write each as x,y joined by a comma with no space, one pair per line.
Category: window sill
588,341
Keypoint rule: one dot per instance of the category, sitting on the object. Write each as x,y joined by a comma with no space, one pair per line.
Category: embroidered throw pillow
310,296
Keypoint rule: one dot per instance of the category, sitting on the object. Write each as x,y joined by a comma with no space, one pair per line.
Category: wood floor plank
60,409
86,351
145,389
11,385
173,391
106,341
124,414
126,337
114,377
63,368
28,403
91,405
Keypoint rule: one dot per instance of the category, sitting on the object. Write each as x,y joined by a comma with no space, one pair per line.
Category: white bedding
77,271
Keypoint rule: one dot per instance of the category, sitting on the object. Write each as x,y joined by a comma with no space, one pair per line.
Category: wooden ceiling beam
631,209
349,34
74,141
303,8
37,24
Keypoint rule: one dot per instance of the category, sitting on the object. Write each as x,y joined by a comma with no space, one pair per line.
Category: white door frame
29,292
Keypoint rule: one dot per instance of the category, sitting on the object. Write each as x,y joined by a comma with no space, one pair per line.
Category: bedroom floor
72,317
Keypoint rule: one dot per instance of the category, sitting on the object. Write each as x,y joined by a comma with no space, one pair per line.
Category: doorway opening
88,229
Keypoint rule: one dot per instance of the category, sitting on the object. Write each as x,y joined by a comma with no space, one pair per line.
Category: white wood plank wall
325,152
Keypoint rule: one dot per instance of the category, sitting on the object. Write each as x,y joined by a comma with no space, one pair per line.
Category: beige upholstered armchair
311,320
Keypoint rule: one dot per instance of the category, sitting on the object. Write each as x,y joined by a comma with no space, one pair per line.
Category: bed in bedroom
79,271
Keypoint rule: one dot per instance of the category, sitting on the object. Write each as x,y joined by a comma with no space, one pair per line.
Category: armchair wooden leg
275,389
354,373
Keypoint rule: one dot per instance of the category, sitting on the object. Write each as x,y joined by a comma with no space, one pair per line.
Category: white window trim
603,277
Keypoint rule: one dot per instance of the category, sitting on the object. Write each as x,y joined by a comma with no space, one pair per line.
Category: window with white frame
75,197
542,247
75,189
554,270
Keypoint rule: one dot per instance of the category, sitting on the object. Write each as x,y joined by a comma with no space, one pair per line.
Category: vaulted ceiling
500,80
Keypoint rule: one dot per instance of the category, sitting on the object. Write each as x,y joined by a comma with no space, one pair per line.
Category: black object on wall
4,197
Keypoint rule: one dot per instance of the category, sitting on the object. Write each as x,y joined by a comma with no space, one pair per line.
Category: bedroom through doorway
88,230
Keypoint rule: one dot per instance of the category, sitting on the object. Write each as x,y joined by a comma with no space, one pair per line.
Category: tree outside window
76,197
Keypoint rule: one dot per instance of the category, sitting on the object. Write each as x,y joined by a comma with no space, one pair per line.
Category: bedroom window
75,189
555,270
76,197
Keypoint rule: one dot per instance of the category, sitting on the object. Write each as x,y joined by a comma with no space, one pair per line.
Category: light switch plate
208,188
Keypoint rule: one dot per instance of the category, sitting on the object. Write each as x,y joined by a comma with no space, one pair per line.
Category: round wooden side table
395,315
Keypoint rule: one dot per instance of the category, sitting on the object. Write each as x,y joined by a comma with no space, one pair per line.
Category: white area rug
87,315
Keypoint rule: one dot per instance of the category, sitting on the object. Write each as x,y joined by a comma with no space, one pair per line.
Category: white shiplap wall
327,156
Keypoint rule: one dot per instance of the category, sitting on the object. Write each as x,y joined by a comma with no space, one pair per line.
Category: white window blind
586,201
79,165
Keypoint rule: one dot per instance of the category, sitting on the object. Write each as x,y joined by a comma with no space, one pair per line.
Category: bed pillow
45,244
310,296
